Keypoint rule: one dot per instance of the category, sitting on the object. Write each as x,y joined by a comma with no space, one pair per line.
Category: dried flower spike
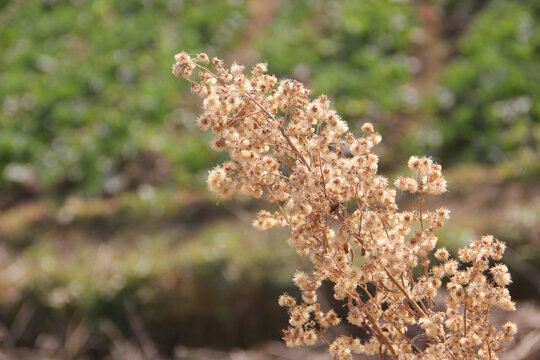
297,152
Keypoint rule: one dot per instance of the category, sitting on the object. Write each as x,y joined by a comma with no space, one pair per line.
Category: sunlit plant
298,153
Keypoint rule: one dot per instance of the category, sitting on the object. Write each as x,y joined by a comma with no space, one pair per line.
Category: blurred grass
180,270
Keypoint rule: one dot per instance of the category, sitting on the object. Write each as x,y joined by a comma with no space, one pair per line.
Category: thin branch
218,78
281,129
465,318
421,221
322,175
279,205
322,336
413,303
380,335
387,319
426,272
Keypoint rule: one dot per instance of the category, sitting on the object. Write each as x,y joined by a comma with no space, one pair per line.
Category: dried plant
343,216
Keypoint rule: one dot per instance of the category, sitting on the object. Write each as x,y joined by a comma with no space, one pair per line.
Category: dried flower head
342,215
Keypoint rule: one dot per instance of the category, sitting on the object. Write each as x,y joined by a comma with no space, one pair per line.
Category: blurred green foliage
357,52
86,85
488,107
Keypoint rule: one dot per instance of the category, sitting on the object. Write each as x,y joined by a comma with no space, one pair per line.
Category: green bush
354,51
488,106
86,85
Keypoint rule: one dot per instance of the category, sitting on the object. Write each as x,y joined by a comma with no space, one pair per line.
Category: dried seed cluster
298,153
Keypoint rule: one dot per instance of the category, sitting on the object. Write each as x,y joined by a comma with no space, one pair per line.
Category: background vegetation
110,242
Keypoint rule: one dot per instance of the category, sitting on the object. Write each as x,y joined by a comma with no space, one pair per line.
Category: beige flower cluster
323,180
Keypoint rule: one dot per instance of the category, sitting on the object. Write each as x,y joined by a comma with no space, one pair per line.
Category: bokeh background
111,246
